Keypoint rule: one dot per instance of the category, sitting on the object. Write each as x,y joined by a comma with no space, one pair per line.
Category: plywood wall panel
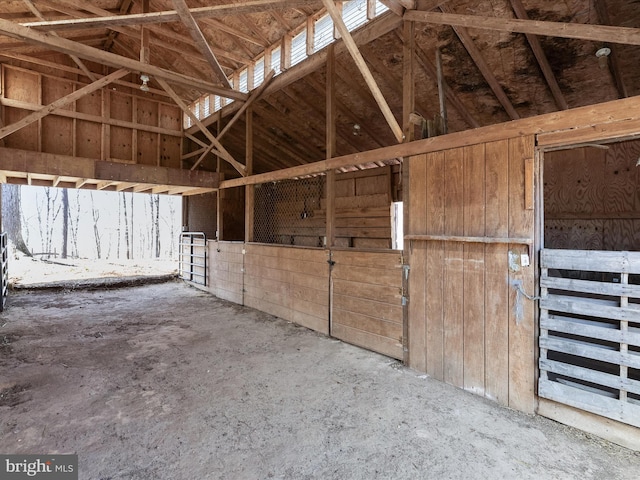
121,106
147,148
121,143
57,135
88,139
592,197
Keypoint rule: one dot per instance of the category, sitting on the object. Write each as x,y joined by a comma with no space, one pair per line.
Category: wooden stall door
470,223
366,300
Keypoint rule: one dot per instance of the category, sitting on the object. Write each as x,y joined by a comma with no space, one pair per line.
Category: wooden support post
221,151
443,103
408,106
249,195
331,144
351,46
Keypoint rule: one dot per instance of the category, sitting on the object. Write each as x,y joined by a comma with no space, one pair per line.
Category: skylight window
323,34
276,59
354,13
299,48
258,73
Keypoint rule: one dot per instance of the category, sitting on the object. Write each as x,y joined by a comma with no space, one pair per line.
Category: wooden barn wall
366,300
288,282
112,124
226,267
294,212
468,326
200,214
591,199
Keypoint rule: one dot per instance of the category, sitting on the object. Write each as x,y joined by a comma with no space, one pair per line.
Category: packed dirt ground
167,382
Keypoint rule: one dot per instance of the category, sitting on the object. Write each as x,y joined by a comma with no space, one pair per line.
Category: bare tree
74,222
12,216
95,213
156,223
65,222
47,213
126,224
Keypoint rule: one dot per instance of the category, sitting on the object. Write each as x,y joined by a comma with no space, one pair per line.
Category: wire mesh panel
291,212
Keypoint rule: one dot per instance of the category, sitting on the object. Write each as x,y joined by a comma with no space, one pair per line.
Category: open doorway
58,235
590,280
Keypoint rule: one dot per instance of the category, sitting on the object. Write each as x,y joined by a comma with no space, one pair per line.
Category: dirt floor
167,382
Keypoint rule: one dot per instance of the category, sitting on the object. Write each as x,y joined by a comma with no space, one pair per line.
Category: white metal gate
590,331
192,257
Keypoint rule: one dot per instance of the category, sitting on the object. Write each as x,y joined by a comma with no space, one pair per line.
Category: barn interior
450,183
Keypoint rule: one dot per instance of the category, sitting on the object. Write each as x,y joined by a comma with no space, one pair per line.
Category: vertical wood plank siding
468,325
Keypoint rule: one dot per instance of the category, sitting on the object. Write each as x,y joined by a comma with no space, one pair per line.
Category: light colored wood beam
169,15
394,6
596,33
364,69
200,41
61,102
75,59
541,57
220,150
485,69
63,45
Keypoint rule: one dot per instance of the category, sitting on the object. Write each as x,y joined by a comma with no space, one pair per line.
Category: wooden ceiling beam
125,7
108,21
61,102
595,33
59,44
483,66
541,57
395,6
614,61
218,25
75,59
220,150
255,95
201,41
352,47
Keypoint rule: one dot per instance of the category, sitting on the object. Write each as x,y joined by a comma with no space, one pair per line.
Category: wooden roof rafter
108,20
486,71
541,57
353,50
107,58
201,41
